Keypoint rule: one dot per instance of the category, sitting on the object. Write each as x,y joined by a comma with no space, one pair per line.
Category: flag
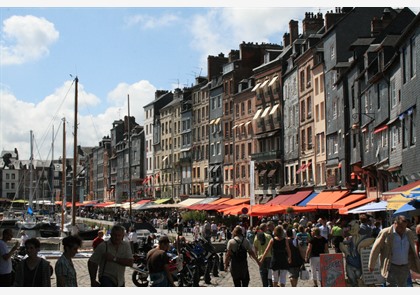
30,211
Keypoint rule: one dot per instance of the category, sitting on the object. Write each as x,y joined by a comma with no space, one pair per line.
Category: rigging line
93,123
55,116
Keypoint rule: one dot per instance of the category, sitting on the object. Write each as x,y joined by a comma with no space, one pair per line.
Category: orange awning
348,200
234,210
326,199
344,210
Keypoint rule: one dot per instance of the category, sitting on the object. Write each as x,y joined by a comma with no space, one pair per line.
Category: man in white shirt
324,229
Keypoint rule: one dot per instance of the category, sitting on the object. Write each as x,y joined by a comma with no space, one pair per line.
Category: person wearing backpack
238,249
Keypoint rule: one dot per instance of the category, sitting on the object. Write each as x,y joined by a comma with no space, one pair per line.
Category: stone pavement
224,279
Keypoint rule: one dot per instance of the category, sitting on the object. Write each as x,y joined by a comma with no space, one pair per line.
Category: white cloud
19,117
149,22
223,29
26,38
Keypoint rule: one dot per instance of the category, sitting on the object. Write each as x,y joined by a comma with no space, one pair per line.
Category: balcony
266,156
185,160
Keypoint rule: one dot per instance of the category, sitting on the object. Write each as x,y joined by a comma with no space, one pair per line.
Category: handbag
303,273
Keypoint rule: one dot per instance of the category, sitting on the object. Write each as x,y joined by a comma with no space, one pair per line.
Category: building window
302,80
393,93
332,52
309,107
302,111
413,56
412,128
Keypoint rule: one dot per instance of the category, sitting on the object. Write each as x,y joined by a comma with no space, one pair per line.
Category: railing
263,156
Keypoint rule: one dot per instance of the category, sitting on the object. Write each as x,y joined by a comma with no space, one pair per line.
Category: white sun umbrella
126,205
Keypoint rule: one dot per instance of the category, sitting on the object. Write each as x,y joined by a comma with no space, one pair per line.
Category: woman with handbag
316,246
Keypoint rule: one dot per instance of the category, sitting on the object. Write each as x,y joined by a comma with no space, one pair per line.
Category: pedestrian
365,229
158,265
33,271
302,238
316,246
260,244
213,227
239,267
99,239
132,238
64,267
23,238
297,260
250,235
396,246
337,235
6,276
111,257
206,230
280,256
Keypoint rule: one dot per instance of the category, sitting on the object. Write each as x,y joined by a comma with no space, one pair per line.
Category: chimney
233,55
312,23
215,65
294,30
286,39
377,25
159,93
331,18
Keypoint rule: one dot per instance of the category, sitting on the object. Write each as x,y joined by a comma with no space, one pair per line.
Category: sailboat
76,228
29,221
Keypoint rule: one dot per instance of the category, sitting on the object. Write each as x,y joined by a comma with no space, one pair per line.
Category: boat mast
73,198
63,177
52,168
31,173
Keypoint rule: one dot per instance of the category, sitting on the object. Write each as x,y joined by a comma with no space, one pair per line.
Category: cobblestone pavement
223,280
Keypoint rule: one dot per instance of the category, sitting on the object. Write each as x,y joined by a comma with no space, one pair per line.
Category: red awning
380,129
290,199
403,188
348,200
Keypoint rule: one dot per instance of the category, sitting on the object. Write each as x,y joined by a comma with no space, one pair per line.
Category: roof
402,188
326,199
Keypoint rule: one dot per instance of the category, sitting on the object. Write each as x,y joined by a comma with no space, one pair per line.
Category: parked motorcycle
176,266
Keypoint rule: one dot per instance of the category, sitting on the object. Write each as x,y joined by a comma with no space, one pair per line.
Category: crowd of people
279,247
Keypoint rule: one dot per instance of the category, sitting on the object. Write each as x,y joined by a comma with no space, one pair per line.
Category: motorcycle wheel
139,279
196,277
186,279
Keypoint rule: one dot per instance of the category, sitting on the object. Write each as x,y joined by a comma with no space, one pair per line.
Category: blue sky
115,52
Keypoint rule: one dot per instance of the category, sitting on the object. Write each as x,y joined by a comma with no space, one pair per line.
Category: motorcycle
176,266
200,259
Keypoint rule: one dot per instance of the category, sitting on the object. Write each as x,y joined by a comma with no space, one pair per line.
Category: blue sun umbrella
414,194
410,209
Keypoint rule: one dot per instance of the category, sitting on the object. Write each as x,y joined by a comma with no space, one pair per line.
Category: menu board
332,270
374,277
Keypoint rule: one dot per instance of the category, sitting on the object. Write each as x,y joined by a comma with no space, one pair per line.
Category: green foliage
289,210
198,216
